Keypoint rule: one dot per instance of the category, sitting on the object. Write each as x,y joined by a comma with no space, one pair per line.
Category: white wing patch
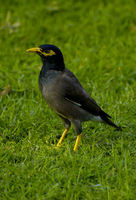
78,104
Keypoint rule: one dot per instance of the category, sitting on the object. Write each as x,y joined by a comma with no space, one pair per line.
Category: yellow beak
36,50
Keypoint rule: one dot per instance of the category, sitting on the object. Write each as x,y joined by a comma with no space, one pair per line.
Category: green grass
98,40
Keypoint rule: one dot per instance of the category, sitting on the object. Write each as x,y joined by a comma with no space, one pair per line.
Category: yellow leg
62,137
77,142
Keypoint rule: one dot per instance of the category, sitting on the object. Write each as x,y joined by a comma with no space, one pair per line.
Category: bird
65,95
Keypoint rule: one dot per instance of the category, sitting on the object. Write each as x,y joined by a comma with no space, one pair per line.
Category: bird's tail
106,119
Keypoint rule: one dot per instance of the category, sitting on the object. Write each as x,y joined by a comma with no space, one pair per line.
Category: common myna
64,93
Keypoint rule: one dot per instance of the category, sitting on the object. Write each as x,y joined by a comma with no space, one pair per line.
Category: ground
98,40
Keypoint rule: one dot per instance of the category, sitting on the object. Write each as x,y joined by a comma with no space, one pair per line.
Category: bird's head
50,55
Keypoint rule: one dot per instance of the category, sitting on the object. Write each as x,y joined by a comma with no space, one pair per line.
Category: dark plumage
64,93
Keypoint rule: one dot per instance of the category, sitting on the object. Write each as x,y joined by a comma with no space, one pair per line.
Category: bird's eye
47,51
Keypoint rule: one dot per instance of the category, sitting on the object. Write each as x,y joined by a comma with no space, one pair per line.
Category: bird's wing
74,92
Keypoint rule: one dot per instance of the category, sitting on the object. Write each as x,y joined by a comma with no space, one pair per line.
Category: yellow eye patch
51,53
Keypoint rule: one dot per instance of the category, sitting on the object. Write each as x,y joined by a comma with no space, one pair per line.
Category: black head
50,55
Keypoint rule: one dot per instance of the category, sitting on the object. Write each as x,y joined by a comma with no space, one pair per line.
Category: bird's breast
49,87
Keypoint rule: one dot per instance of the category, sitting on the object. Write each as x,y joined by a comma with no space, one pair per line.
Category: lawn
98,41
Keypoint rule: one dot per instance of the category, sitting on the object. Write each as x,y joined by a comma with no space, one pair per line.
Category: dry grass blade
6,91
